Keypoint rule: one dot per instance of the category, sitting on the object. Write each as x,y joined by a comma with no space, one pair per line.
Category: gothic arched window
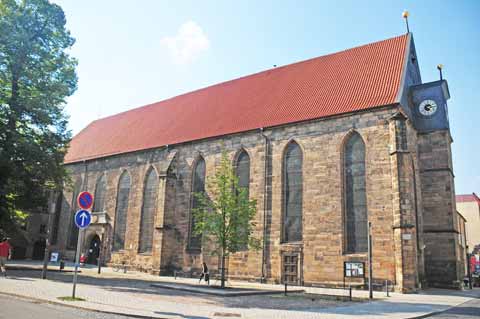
100,194
242,170
56,219
149,205
123,193
356,225
292,193
198,186
73,233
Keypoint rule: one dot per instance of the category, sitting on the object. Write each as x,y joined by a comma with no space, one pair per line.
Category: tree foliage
36,75
225,214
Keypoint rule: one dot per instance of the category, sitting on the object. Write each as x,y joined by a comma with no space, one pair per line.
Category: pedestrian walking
5,253
205,274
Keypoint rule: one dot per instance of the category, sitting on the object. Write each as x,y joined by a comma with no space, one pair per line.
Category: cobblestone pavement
132,294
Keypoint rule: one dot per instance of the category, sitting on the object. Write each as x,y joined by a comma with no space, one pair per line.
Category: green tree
36,75
225,214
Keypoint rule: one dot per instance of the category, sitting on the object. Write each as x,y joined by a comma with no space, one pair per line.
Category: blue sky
133,53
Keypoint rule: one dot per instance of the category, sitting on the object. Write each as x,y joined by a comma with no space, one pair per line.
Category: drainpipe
265,202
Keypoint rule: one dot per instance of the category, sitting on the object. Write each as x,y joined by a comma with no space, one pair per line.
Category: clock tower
428,106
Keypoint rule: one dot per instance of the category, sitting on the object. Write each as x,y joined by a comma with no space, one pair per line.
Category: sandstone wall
390,187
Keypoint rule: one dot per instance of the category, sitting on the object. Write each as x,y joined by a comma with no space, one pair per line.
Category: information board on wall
354,269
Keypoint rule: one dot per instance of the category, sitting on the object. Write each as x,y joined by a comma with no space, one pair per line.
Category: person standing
5,253
205,274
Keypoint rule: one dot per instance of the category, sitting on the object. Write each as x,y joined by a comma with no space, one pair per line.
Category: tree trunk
223,269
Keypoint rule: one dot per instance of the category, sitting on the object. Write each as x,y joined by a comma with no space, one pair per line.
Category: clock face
428,107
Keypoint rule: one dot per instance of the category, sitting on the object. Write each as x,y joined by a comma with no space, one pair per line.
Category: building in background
469,206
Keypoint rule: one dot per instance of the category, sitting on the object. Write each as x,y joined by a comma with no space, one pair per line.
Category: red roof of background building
467,198
352,80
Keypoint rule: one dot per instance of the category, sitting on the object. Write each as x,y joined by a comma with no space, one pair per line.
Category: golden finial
405,15
440,67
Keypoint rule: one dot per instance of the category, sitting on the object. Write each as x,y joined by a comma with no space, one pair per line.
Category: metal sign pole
370,275
77,260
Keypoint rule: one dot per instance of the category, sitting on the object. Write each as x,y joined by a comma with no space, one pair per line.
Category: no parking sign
85,200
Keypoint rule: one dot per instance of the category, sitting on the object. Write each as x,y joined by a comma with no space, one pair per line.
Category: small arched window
356,225
149,205
123,193
198,186
73,233
292,193
100,194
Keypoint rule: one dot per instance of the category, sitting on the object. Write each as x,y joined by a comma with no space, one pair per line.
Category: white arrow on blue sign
83,218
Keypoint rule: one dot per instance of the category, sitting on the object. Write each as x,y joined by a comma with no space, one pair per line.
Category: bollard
175,274
386,287
350,292
285,288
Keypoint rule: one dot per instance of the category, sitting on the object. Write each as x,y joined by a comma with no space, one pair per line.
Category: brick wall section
321,252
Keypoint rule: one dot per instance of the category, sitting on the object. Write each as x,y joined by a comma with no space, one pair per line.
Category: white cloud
189,42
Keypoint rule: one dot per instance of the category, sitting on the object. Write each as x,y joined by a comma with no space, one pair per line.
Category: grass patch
69,298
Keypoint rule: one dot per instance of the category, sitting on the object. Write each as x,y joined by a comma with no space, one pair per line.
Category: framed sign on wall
354,269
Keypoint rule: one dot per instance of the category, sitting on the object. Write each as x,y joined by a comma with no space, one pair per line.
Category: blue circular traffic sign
83,218
85,200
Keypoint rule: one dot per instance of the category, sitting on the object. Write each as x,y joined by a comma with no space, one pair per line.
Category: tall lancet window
242,171
292,193
100,194
123,193
150,190
73,232
356,226
198,186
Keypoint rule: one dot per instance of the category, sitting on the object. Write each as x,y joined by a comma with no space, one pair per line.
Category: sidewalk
133,294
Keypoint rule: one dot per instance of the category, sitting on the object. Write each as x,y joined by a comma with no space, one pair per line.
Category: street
468,310
16,308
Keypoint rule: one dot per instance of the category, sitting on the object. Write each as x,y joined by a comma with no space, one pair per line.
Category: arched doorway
39,249
93,250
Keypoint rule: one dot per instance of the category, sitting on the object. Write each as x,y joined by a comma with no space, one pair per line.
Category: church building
329,147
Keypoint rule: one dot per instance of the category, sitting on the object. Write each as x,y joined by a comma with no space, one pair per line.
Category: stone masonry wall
321,252
443,266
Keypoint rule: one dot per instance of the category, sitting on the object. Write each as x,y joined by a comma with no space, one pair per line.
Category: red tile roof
467,198
356,79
